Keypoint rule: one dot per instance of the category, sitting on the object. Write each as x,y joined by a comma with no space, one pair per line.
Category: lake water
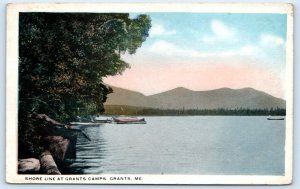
217,145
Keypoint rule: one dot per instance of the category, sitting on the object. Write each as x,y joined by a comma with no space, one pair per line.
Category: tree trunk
48,165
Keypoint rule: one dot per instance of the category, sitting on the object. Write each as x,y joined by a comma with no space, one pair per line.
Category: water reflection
89,154
183,145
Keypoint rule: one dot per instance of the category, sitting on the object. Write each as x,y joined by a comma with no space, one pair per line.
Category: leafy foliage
135,111
63,58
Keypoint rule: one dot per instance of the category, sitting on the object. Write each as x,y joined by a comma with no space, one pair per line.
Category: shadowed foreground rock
59,143
59,139
30,165
58,146
48,165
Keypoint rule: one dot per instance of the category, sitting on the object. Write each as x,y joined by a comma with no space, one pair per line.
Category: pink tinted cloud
154,78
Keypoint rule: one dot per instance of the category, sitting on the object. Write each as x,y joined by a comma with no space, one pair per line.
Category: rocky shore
59,143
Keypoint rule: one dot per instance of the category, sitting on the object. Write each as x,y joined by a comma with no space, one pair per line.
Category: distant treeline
132,110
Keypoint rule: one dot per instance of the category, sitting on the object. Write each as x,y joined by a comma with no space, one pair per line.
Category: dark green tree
63,58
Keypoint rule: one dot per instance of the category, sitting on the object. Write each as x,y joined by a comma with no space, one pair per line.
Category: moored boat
102,119
90,121
84,124
275,118
128,120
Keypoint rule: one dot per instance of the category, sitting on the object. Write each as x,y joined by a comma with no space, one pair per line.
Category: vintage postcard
149,93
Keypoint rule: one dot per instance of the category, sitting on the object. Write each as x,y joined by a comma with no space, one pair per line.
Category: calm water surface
184,145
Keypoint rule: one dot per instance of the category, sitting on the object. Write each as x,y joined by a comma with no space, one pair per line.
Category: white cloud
166,48
159,29
271,40
220,32
247,50
169,50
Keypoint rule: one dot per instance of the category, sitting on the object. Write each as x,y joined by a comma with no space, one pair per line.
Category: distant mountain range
180,98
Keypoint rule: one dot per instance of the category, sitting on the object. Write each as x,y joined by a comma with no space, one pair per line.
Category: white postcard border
12,92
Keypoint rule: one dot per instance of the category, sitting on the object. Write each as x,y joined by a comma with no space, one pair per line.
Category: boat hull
275,118
138,122
128,121
84,124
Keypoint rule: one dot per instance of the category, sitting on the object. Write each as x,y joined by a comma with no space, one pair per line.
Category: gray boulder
30,165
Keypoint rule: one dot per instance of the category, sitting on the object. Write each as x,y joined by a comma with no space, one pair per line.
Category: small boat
275,118
128,120
84,124
102,119
90,121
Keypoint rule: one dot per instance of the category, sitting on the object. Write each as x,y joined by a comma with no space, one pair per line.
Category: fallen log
57,128
48,165
47,119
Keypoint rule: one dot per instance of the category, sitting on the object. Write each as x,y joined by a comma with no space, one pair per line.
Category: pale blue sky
221,32
190,25
249,47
